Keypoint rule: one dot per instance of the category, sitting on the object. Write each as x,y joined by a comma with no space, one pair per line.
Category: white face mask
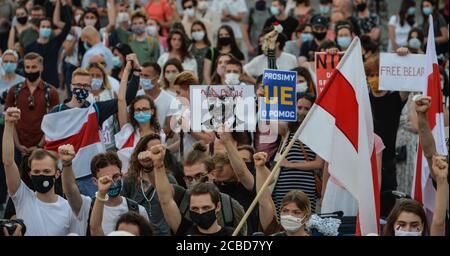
291,223
232,79
399,232
152,30
302,87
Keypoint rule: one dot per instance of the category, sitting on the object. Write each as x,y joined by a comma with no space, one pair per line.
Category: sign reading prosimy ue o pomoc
280,98
325,65
402,73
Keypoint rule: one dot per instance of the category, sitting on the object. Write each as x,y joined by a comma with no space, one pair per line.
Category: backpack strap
133,206
88,229
184,204
227,210
47,95
17,89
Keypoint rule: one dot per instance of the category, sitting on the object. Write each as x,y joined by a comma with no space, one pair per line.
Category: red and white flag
78,127
126,141
423,190
339,128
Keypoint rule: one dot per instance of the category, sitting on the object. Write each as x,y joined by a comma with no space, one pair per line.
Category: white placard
402,73
214,105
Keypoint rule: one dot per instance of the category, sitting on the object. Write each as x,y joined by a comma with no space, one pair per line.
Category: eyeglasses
201,177
31,102
142,109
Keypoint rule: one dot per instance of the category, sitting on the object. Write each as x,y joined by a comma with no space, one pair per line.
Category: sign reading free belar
402,73
280,99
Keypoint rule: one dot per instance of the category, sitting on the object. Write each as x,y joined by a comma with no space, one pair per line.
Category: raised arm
440,169
237,163
69,184
121,97
423,104
95,223
67,16
12,174
111,9
165,192
57,15
266,205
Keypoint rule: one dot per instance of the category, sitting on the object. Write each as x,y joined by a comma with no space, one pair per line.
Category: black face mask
260,5
42,183
204,220
32,76
22,20
225,40
361,7
320,35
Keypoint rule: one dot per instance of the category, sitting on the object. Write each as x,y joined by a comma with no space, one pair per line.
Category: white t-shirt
189,64
256,67
44,219
115,84
110,214
73,59
401,32
162,102
234,7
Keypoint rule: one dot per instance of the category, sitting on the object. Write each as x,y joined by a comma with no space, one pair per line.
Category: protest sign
325,65
280,98
402,73
233,106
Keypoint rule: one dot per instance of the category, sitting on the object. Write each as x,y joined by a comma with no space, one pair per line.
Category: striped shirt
293,179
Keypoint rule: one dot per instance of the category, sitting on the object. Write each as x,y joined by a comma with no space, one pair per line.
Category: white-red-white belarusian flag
339,128
126,140
78,127
423,190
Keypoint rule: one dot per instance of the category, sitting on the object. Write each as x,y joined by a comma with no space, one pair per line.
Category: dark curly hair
133,218
154,123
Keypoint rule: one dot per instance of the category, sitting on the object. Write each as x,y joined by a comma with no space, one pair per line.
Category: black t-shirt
188,228
386,116
239,193
308,49
214,53
289,25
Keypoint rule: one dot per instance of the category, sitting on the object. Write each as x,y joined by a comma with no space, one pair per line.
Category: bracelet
101,199
67,165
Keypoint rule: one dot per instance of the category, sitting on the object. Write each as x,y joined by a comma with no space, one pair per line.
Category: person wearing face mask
305,83
319,29
49,48
108,202
154,29
344,34
204,203
325,8
288,23
18,27
103,91
31,33
200,46
34,98
145,46
171,69
368,22
226,44
400,24
81,86
415,39
9,78
302,34
302,11
299,167
120,52
51,207
234,73
431,7
138,184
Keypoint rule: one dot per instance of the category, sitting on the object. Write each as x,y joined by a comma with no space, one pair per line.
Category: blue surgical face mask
344,41
86,45
117,62
146,84
411,11
96,83
414,43
274,10
115,189
427,10
324,9
9,67
45,32
306,37
142,117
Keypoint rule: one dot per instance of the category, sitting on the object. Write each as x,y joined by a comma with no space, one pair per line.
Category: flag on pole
78,127
339,128
423,190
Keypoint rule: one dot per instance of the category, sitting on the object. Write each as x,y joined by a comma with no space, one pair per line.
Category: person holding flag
82,121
